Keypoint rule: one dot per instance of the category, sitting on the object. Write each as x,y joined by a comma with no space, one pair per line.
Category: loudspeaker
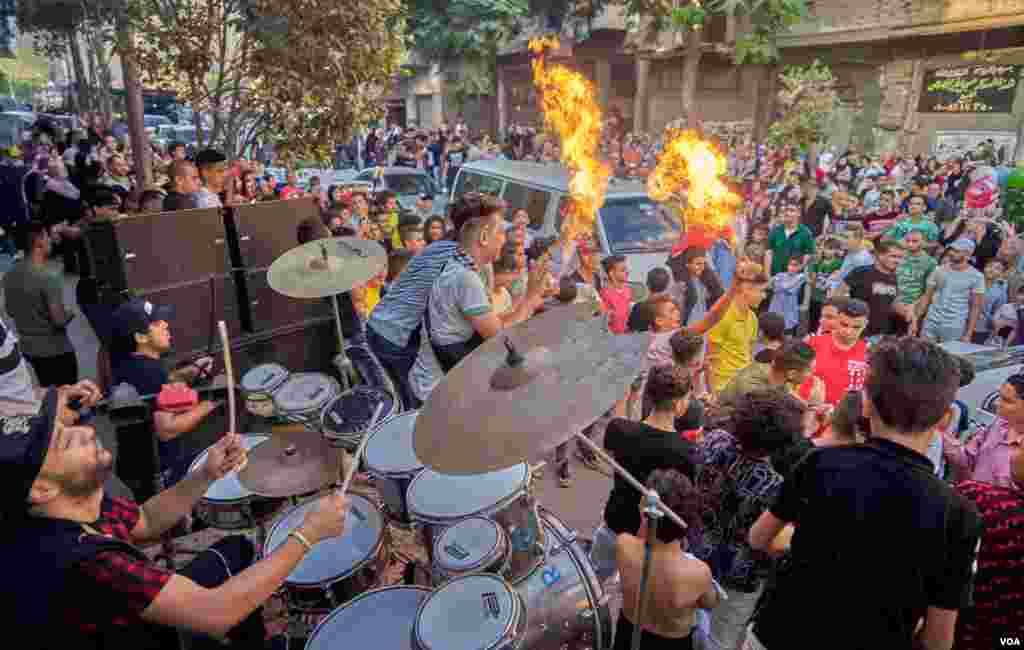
271,310
198,306
140,252
267,230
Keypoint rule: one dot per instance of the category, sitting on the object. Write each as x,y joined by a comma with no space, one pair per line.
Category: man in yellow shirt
731,342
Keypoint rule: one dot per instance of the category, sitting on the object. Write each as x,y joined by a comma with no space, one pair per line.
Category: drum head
437,497
352,411
383,618
305,391
336,558
264,378
473,612
464,545
228,488
389,449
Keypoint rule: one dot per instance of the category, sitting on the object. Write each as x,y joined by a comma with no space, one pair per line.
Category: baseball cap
963,245
209,157
24,441
136,315
426,197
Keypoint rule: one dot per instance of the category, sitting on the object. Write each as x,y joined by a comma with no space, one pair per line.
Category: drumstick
230,372
359,450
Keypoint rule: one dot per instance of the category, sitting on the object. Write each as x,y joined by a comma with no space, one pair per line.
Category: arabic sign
970,89
949,144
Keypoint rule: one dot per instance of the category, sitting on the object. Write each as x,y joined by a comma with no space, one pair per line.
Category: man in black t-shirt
883,552
642,447
141,337
877,286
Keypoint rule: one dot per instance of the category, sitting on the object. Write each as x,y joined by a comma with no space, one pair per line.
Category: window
535,202
408,184
473,182
638,225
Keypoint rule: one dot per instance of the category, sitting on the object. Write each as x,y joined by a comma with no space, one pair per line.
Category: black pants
212,568
397,362
60,370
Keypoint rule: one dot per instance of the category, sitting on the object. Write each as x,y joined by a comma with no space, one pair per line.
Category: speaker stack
210,265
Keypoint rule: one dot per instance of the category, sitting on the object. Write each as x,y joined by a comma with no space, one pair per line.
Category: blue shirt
724,261
995,297
786,296
400,312
148,376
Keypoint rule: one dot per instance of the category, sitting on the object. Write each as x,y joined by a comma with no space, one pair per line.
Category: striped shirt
16,386
400,312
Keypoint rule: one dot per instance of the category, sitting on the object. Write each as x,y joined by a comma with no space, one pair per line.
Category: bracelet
301,539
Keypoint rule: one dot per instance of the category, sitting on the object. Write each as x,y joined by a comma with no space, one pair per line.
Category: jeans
212,568
397,362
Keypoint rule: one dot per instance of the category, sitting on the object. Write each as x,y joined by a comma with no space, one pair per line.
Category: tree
806,98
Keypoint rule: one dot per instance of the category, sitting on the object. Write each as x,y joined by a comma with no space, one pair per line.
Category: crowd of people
795,407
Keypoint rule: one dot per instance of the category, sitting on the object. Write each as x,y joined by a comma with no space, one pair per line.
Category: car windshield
638,224
405,184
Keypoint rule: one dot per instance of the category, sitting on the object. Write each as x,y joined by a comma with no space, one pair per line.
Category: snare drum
337,569
470,546
259,385
390,458
344,421
383,618
565,602
304,395
480,611
229,505
441,500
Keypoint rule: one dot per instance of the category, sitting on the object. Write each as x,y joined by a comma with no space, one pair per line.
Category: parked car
13,125
630,223
408,184
992,365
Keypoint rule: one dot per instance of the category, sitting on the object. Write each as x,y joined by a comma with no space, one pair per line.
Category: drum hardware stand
653,515
341,362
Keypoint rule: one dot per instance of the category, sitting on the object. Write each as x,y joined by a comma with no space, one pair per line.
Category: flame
571,108
695,166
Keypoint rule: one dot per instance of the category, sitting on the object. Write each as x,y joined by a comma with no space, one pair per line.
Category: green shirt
784,248
29,290
912,275
822,270
925,226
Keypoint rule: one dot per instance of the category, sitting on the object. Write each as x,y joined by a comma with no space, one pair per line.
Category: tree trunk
85,101
141,153
691,66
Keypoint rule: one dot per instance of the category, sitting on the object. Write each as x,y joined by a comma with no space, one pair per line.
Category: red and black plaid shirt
998,610
114,586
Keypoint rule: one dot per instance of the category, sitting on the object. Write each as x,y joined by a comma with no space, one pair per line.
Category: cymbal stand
341,362
642,489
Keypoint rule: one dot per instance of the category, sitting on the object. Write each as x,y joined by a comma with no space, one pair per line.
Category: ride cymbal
524,392
326,267
291,464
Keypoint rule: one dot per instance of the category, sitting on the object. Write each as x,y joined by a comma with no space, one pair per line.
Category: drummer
459,316
73,551
142,336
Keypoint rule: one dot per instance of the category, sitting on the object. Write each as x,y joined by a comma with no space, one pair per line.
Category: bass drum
565,603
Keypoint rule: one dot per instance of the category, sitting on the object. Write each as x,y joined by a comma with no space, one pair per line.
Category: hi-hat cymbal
291,464
326,267
496,409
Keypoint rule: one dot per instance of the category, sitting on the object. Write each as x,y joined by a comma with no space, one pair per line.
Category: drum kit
504,572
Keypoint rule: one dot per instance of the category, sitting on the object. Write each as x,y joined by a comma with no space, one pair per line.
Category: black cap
426,197
24,441
136,315
209,157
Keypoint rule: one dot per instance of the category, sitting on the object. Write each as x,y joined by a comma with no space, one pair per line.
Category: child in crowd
787,288
757,248
827,262
772,329
410,230
1006,321
617,295
658,282
995,297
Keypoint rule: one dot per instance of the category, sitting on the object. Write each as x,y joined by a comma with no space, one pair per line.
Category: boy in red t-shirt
841,361
616,295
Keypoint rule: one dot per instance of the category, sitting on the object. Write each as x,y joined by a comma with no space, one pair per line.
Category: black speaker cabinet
198,306
271,310
140,252
269,229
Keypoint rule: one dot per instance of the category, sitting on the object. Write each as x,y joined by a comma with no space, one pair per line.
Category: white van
630,223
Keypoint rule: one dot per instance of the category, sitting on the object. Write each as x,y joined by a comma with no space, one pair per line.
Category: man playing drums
74,565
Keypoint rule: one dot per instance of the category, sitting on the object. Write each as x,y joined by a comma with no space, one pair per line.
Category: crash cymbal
326,267
524,392
291,464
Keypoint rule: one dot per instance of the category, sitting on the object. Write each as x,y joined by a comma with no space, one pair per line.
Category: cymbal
500,407
326,267
290,464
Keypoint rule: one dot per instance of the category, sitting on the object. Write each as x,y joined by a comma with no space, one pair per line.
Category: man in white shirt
213,167
459,316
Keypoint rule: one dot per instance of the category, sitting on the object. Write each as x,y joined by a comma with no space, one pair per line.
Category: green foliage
689,17
1014,212
807,96
463,29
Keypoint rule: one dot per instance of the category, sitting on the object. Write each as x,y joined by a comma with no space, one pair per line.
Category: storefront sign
954,144
970,89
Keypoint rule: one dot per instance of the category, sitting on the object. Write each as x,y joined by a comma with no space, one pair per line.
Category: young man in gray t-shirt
953,298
